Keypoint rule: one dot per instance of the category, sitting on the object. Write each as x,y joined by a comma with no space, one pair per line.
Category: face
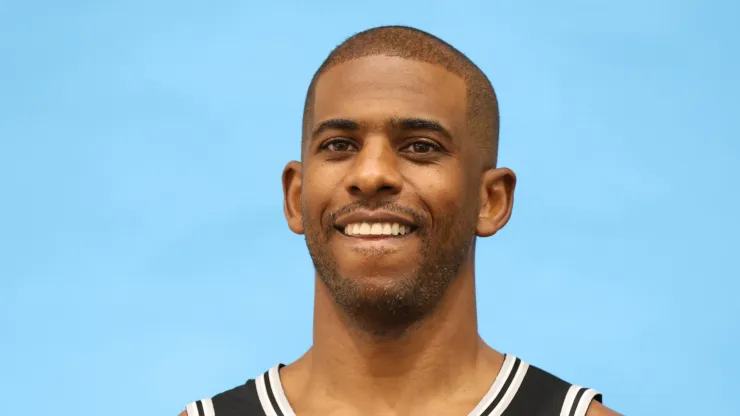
389,191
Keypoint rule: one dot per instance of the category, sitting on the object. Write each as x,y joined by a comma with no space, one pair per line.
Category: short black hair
410,43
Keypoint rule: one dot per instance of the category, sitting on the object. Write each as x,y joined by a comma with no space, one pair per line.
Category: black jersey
518,390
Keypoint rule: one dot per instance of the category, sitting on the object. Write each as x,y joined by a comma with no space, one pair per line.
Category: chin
371,261
384,306
379,276
381,286
383,299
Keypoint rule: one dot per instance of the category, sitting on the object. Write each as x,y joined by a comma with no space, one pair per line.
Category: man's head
398,174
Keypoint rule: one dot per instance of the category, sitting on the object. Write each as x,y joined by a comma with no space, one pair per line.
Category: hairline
311,96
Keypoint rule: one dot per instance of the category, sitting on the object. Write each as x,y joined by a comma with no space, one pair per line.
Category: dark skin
389,135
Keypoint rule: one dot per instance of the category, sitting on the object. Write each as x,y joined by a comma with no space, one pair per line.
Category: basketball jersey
518,390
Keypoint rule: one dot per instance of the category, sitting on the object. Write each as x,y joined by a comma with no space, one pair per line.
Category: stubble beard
390,311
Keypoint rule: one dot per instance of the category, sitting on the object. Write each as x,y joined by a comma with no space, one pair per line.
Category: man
397,179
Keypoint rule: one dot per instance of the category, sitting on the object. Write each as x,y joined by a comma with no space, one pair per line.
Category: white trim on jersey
264,398
208,407
586,399
192,409
278,392
569,398
512,390
498,384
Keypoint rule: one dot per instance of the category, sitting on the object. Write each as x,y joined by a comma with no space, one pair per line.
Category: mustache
389,206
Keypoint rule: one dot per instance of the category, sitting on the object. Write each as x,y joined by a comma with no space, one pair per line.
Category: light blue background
144,257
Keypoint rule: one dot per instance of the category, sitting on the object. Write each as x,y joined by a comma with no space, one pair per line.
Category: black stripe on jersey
240,401
540,393
201,412
271,395
501,393
577,400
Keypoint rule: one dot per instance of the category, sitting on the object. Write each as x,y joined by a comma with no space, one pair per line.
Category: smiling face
389,188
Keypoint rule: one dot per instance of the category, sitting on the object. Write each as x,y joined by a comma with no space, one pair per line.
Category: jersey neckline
502,391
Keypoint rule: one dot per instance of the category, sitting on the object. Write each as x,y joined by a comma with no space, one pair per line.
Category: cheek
318,190
443,190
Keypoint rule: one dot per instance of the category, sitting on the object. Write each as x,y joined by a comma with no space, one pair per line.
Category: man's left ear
497,200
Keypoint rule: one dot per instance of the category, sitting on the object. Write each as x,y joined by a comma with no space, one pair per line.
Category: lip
373,216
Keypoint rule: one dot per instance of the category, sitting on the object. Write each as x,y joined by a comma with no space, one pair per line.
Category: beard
390,310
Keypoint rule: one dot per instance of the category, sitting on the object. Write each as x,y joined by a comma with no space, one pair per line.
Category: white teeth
376,228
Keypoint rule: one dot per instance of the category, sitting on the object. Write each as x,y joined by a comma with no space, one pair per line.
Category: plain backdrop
145,261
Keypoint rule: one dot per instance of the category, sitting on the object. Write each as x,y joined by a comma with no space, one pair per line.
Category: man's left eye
421,147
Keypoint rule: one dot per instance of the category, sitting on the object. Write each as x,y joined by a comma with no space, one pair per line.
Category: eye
421,147
338,145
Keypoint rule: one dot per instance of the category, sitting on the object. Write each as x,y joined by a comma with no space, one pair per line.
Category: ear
292,183
497,201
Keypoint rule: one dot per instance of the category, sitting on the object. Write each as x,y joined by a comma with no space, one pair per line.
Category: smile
374,229
375,225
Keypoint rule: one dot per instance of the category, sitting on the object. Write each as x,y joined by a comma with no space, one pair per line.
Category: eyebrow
335,124
413,123
401,123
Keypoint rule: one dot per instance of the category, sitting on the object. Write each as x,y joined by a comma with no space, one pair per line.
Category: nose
374,171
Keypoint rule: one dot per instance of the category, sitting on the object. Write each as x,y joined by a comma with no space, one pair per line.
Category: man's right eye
338,145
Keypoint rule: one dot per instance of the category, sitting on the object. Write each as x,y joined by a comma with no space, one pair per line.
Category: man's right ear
292,196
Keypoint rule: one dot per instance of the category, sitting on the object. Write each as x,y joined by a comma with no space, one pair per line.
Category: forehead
376,88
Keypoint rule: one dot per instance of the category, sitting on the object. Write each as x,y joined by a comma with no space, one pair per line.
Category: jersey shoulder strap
543,394
239,401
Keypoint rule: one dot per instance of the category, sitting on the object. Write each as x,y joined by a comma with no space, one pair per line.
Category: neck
432,357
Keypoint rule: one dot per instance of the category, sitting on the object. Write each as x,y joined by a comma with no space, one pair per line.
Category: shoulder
598,409
541,392
241,400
